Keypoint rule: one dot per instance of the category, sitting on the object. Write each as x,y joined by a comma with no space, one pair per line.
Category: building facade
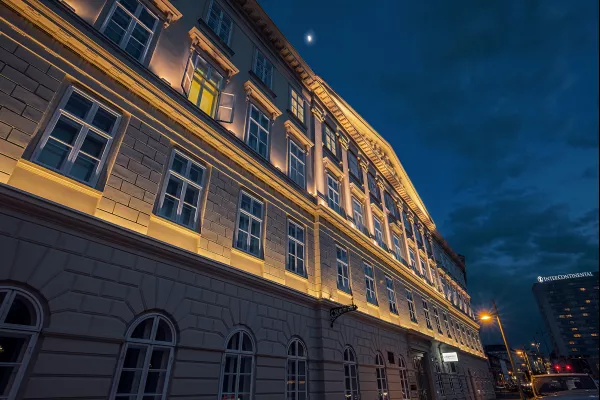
569,307
185,208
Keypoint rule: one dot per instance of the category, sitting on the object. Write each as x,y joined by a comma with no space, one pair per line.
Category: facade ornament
363,164
344,141
336,312
318,113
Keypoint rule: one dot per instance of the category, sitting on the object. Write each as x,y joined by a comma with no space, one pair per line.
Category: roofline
369,140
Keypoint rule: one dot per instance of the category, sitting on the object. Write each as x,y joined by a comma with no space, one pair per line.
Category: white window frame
391,292
371,293
358,214
185,183
239,353
266,72
329,139
411,306
188,79
260,129
297,243
31,332
447,326
297,105
412,257
427,316
381,377
333,192
293,172
343,273
438,323
132,23
423,267
297,360
220,21
404,378
373,187
378,230
86,127
251,218
150,344
353,156
351,366
397,247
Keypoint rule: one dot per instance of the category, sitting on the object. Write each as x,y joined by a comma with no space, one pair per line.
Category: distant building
569,307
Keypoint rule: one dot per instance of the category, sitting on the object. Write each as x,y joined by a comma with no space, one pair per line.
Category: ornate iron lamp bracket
336,312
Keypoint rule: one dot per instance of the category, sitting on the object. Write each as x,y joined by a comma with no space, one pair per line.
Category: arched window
439,379
382,388
20,325
146,360
297,385
351,374
404,378
237,371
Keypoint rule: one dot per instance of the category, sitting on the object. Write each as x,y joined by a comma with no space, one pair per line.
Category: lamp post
489,317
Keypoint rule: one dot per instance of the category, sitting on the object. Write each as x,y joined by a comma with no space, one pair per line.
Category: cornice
168,9
257,94
292,130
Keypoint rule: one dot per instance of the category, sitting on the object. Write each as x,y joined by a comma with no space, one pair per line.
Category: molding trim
172,14
200,40
254,92
292,130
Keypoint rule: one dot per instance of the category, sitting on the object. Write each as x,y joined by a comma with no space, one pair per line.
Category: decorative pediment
333,167
171,13
253,91
201,41
292,130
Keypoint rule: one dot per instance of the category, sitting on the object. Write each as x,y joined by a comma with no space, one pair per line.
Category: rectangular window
437,321
378,231
390,204
411,306
418,235
423,268
373,188
78,137
353,166
329,139
219,22
263,69
295,261
427,316
333,193
249,227
297,105
357,212
131,26
343,279
179,199
297,168
397,248
257,136
447,325
389,285
202,84
407,225
370,284
412,259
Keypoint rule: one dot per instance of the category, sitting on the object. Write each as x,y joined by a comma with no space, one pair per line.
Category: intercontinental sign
542,279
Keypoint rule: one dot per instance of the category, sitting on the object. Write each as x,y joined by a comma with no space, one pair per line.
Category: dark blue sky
492,107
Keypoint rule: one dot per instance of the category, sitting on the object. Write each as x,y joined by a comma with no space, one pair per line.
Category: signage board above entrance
450,357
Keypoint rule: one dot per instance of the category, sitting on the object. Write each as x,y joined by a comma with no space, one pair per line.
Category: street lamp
490,316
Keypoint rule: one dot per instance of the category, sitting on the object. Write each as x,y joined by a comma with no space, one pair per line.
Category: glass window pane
93,145
129,382
233,343
147,19
155,381
104,120
135,356
163,332
78,105
169,208
196,174
21,312
66,130
143,329
246,343
13,348
83,168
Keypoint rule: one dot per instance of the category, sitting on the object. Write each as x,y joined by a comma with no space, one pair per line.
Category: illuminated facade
183,204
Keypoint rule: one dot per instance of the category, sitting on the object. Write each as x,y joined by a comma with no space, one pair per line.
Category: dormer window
219,22
131,26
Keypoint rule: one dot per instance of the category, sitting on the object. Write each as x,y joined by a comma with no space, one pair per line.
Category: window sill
296,275
345,293
263,86
173,225
207,30
246,254
374,305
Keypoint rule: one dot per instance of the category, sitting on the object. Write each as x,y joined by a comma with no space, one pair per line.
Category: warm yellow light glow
485,317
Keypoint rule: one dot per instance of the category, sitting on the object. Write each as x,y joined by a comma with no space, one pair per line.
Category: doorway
421,368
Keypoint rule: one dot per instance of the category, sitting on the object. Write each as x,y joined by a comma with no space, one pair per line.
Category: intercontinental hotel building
189,212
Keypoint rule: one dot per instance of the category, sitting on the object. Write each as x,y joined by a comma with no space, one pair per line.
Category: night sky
492,108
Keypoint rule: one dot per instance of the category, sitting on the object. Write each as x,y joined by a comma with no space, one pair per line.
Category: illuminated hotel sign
542,279
450,357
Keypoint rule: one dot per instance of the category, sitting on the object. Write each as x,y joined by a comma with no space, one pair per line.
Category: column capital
318,113
344,141
380,183
363,164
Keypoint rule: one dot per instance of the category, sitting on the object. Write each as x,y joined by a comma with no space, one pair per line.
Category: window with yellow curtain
202,84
